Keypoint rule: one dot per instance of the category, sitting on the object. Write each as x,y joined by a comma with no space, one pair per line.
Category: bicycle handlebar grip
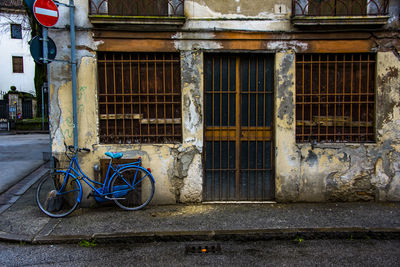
85,149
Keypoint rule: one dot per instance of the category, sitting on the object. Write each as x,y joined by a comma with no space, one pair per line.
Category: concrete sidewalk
20,155
25,222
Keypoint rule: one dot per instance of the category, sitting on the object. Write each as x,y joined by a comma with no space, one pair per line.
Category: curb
217,235
18,189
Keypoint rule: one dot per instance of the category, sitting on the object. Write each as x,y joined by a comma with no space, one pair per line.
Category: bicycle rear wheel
132,188
57,200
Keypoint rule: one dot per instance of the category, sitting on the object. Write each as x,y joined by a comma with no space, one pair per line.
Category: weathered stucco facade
315,172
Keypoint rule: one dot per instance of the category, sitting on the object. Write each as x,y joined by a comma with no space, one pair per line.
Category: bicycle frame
102,191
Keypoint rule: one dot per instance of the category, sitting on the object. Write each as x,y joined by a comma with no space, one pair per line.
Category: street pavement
24,222
349,252
19,156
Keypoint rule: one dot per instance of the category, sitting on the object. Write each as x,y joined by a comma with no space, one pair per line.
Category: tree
40,69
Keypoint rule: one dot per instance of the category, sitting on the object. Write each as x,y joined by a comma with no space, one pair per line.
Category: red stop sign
46,12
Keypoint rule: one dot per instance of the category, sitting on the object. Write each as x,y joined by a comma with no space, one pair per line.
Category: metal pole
43,107
45,61
73,65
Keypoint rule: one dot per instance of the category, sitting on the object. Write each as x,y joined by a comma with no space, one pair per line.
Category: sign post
46,13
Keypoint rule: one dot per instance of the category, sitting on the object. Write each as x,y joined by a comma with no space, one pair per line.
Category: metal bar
228,174
319,96
256,172
312,99
326,95
367,99
147,90
139,95
139,61
248,122
238,126
164,89
213,124
359,99
115,100
221,123
302,109
123,98
264,125
343,96
172,88
45,55
106,91
131,96
351,90
155,95
346,94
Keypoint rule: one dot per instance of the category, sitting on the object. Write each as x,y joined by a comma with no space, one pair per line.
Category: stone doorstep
217,235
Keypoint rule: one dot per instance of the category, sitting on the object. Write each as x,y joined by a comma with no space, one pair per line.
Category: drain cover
203,249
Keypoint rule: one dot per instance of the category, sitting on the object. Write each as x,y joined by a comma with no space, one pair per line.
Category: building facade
239,100
18,67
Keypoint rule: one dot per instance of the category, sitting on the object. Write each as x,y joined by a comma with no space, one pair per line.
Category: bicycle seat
114,155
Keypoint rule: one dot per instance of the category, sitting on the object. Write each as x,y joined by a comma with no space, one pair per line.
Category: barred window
335,97
18,64
139,98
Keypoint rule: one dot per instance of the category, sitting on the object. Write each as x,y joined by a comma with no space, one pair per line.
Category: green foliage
34,124
87,243
299,240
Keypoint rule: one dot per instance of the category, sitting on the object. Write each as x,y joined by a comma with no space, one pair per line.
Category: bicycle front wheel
132,188
58,195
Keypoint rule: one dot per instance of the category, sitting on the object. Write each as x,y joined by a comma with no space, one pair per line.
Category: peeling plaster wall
339,172
249,15
177,168
324,172
237,9
287,167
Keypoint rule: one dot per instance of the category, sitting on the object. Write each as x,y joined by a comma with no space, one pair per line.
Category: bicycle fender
79,184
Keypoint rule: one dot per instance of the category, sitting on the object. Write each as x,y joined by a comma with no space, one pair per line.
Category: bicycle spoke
58,196
132,188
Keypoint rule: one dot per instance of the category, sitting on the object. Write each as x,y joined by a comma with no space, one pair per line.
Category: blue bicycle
129,185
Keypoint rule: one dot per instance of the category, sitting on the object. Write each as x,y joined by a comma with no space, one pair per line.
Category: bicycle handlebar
72,149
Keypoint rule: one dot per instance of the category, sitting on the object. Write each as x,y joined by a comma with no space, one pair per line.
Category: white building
17,65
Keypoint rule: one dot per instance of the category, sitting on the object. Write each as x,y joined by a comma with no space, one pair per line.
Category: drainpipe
73,65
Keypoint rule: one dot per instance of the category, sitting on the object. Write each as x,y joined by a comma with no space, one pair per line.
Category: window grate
139,98
335,97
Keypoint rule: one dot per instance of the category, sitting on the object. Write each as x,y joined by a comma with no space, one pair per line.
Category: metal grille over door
238,127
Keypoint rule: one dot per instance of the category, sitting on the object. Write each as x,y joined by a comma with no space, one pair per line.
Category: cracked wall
177,168
337,171
322,172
